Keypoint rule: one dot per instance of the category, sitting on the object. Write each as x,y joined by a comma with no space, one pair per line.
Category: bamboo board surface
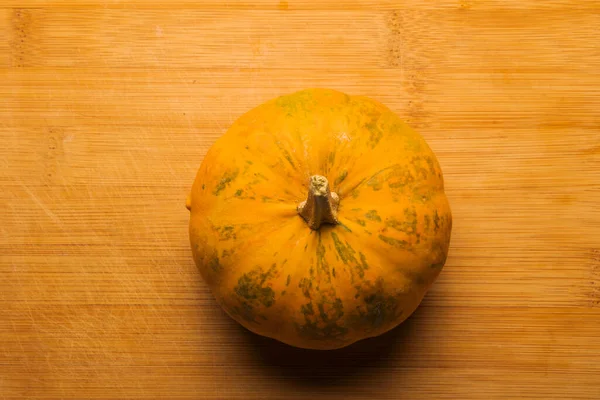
108,107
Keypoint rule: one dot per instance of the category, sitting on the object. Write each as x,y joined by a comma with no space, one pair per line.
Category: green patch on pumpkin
331,157
214,263
345,227
286,154
375,133
375,184
307,309
322,264
408,224
326,324
305,286
295,102
341,178
227,253
400,178
348,255
401,244
379,308
373,216
252,290
226,233
225,181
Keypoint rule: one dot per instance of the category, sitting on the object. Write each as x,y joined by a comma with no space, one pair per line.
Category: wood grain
285,5
108,109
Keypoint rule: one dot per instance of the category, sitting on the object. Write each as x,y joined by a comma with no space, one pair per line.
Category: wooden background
108,107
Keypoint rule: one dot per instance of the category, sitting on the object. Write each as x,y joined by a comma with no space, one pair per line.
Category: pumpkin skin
328,287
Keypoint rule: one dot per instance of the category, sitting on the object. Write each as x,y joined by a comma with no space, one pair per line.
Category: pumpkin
319,219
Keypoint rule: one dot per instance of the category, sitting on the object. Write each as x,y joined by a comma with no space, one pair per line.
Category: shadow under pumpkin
326,368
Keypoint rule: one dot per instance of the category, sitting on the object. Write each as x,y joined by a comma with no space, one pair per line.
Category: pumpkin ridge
365,180
249,152
247,249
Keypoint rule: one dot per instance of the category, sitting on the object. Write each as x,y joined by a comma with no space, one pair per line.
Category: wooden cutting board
108,107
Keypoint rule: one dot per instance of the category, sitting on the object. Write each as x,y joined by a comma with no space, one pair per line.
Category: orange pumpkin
319,219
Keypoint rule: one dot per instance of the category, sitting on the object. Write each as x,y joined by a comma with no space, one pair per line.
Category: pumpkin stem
321,204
